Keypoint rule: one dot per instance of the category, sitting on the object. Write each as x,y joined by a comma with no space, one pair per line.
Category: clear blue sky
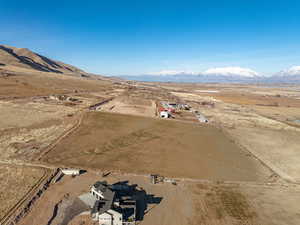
138,36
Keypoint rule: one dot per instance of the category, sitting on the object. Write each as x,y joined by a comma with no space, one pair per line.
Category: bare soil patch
131,105
176,197
143,145
185,203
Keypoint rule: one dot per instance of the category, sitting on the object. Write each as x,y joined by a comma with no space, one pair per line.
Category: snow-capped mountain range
292,71
222,71
221,74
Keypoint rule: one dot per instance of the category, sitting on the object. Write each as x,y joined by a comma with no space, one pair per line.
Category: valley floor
242,168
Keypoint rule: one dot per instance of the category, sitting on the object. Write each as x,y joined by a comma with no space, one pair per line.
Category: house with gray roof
109,206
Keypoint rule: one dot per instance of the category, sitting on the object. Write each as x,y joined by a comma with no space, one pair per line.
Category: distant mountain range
12,57
220,75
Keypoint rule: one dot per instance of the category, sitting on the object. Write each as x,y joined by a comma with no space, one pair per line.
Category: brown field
39,84
242,204
143,145
220,168
255,99
15,182
257,120
27,126
131,105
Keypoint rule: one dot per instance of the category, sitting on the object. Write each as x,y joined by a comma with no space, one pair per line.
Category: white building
110,217
71,172
164,114
202,119
107,207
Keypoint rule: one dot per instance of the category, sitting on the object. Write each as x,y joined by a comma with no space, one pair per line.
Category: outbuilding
202,119
71,172
164,114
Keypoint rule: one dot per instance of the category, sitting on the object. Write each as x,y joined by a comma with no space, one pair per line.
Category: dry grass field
259,119
230,186
15,182
27,126
29,121
143,145
245,204
221,205
41,84
256,99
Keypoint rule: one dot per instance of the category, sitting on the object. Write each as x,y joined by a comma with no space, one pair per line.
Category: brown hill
24,58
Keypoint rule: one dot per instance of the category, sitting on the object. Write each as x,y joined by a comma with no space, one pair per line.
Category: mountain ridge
25,58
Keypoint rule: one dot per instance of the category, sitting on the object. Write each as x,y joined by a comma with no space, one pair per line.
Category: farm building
164,114
172,107
167,107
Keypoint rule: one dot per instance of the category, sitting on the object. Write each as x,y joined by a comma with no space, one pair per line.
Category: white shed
71,172
202,119
164,114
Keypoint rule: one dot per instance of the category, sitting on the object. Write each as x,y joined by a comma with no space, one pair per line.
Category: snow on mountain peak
171,72
221,71
231,71
292,71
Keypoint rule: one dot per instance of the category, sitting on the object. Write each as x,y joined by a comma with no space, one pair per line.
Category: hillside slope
24,58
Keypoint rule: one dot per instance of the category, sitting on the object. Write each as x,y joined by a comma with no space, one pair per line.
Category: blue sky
134,37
